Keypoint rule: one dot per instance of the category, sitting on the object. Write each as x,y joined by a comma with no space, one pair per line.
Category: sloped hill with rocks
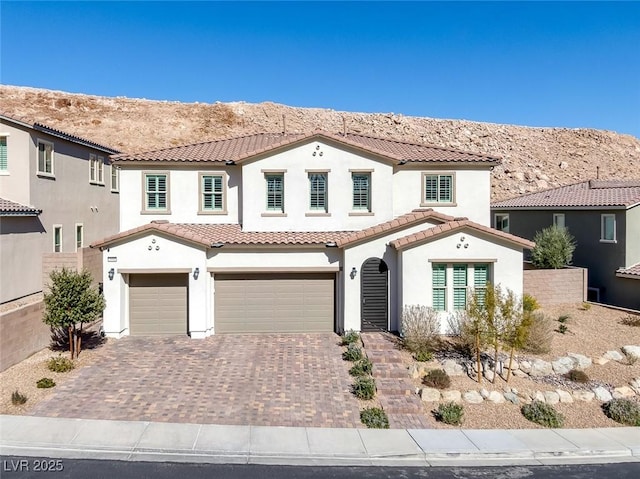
532,158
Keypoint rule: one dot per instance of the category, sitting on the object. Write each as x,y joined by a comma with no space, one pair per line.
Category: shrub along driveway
271,380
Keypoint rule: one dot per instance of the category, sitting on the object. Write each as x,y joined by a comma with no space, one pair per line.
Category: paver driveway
272,380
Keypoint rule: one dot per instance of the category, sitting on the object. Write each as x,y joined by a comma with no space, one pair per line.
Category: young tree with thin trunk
517,325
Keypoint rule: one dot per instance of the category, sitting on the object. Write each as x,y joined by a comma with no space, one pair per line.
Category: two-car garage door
262,303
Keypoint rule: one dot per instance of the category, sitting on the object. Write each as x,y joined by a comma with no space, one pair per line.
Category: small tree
71,302
554,248
517,325
476,325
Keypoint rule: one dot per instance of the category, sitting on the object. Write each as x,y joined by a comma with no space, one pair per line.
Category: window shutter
3,153
431,188
439,280
445,189
460,275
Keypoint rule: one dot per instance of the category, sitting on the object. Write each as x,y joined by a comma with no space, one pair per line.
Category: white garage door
271,303
158,304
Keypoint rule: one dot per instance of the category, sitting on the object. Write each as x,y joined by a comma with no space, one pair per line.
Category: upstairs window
97,169
4,166
502,222
437,188
45,158
156,192
212,193
608,228
79,237
318,192
115,178
361,191
275,192
57,239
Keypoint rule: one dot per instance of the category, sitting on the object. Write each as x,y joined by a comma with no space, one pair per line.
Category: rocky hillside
533,158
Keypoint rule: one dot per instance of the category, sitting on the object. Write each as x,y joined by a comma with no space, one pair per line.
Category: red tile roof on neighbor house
11,208
450,227
632,272
236,150
593,193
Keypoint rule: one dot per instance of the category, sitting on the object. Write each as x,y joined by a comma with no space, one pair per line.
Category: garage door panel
158,304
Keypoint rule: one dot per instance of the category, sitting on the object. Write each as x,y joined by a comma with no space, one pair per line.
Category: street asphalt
31,436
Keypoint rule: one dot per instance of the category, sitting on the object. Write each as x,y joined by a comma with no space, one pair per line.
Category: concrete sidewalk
171,442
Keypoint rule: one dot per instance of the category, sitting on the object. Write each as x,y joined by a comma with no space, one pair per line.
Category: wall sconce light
196,273
353,273
112,273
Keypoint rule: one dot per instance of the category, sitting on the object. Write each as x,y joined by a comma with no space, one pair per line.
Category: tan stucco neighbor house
57,194
290,232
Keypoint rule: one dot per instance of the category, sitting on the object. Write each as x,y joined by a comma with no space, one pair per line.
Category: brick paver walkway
270,380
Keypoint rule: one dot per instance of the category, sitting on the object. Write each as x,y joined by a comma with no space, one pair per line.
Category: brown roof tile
593,193
11,208
242,148
440,230
633,271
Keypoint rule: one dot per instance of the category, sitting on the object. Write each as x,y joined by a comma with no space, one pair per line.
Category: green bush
449,413
437,378
631,320
423,356
18,399
362,367
543,414
563,318
562,329
586,306
374,418
540,334
624,411
60,364
420,328
554,248
45,383
529,303
577,376
364,387
352,353
350,337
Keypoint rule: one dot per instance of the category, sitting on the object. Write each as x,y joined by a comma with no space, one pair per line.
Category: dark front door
375,302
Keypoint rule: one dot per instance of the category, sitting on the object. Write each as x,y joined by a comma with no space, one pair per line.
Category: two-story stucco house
604,218
58,193
299,233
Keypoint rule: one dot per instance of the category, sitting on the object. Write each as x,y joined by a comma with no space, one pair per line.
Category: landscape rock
495,397
635,385
451,395
519,373
540,367
430,394
623,392
525,367
511,397
514,365
585,396
489,375
539,396
564,396
613,355
551,397
631,351
602,394
452,368
601,361
582,361
563,365
472,397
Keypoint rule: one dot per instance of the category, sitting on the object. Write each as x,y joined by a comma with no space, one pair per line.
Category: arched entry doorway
374,287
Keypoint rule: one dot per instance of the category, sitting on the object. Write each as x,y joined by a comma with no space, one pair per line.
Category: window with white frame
79,236
361,191
275,192
57,238
115,178
558,220
608,228
156,192
212,193
318,192
4,165
461,277
97,169
502,222
437,188
45,158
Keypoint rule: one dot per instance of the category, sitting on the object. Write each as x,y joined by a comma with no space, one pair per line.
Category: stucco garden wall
22,333
556,286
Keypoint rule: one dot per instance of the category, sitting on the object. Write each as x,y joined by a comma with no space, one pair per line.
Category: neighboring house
58,194
604,218
299,233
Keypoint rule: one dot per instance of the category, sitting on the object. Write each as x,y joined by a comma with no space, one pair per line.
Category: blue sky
539,64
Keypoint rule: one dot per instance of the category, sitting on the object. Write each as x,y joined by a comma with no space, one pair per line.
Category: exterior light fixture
196,273
217,245
112,273
353,273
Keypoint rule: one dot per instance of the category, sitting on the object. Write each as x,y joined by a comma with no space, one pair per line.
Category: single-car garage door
158,304
274,303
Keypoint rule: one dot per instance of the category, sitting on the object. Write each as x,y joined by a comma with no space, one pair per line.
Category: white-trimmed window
318,192
608,228
45,158
115,179
451,283
502,222
156,192
57,238
4,163
275,192
212,189
437,188
96,164
361,191
558,220
79,236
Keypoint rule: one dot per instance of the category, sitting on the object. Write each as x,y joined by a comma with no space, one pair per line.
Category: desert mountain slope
533,158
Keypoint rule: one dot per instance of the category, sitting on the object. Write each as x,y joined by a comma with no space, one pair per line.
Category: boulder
601,361
635,385
451,396
585,396
472,397
484,393
540,368
551,397
538,396
514,365
495,397
489,375
613,356
511,397
582,361
623,392
452,368
563,365
525,367
519,373
430,394
631,351
564,396
602,394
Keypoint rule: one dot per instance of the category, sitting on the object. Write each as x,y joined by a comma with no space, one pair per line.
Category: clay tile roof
415,217
455,225
11,208
631,271
242,148
593,193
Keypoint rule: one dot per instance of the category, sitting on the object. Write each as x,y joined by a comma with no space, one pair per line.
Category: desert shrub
562,329
543,414
362,367
624,411
60,364
631,359
540,334
529,303
352,353
563,318
437,378
18,399
577,376
423,356
420,327
554,248
586,307
45,383
374,418
364,387
350,337
631,320
449,413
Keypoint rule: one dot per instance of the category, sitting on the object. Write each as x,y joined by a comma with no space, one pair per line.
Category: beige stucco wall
14,183
556,286
22,333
